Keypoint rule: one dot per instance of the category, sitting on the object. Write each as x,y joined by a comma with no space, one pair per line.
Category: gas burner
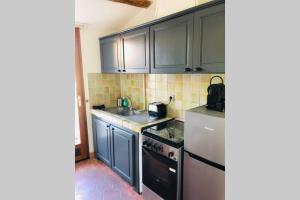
170,133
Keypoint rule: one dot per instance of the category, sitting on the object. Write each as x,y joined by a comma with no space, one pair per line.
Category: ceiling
103,14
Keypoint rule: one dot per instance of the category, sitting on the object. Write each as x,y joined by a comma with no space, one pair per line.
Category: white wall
91,64
160,8
90,45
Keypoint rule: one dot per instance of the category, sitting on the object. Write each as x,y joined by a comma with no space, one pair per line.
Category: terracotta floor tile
95,181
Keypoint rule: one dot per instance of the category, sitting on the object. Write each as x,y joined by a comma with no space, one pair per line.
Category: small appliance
157,109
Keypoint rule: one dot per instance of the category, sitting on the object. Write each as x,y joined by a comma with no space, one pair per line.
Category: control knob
160,148
149,144
170,154
145,143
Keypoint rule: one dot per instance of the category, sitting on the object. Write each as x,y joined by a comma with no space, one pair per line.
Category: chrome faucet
130,103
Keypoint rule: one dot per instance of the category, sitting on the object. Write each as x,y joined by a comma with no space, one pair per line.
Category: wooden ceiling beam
137,3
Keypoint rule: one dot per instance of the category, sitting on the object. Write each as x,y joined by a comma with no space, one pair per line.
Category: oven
161,169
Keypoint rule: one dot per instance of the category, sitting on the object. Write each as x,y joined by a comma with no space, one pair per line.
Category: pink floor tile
95,181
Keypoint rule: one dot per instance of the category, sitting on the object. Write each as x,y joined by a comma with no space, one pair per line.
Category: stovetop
171,133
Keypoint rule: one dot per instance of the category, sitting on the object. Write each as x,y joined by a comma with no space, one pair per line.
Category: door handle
206,161
208,128
79,101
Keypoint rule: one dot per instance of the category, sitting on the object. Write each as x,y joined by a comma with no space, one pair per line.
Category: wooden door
171,45
81,137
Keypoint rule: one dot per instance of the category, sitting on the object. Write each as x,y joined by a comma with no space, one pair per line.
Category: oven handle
159,156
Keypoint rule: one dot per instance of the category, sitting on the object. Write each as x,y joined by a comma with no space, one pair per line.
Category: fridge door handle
208,128
208,162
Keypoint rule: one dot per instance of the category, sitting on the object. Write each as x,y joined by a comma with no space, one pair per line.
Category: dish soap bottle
125,102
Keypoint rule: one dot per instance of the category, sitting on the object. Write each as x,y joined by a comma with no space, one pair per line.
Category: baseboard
92,155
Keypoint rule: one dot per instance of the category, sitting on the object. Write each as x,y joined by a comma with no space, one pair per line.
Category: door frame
83,146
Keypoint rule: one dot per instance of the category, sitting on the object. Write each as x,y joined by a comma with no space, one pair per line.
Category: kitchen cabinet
135,51
110,54
102,140
190,41
122,145
117,149
209,40
171,45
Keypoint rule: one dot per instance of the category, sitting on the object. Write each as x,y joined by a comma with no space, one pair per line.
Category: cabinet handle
124,70
187,69
107,126
119,70
198,69
112,129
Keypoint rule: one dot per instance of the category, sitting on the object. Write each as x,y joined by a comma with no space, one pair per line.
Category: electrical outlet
172,98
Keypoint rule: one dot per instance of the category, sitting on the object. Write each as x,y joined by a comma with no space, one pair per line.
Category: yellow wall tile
190,90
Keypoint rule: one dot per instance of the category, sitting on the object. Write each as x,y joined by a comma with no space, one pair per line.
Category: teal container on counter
125,102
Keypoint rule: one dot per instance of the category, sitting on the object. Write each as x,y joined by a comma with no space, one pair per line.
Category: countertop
204,110
122,121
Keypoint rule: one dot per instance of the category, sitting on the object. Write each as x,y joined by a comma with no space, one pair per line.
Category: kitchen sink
123,111
141,117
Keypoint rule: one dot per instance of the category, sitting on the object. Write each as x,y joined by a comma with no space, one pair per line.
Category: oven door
160,174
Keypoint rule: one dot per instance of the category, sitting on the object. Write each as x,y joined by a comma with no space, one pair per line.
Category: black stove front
162,167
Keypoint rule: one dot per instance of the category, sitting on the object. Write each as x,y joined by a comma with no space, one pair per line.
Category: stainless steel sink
141,117
123,111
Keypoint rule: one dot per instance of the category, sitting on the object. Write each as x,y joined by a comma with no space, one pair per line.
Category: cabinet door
135,51
171,45
209,37
110,53
122,153
102,141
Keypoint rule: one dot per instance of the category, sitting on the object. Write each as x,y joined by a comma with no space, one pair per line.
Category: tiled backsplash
133,86
190,90
104,89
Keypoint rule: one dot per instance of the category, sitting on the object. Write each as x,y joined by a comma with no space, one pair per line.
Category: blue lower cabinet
116,148
102,140
122,151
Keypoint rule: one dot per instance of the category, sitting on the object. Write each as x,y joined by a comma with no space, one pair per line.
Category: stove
170,133
162,152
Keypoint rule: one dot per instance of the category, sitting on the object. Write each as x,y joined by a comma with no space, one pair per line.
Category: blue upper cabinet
209,40
110,54
171,45
191,41
135,51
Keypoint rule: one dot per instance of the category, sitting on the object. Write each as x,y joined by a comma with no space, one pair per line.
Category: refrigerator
204,155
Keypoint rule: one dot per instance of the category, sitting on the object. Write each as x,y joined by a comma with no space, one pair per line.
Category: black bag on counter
216,95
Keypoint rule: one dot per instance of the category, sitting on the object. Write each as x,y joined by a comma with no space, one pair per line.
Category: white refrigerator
204,155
